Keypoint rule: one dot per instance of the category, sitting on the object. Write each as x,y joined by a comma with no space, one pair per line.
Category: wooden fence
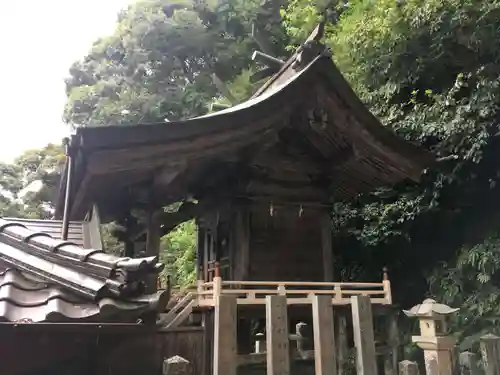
185,342
296,292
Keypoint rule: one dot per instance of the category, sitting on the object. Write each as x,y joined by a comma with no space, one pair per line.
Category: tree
429,69
179,254
30,184
157,65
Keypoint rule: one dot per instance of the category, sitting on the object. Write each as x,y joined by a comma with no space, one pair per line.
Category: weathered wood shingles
306,117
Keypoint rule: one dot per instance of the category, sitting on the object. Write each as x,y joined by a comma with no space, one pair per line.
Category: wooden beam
282,192
278,353
268,60
324,339
165,177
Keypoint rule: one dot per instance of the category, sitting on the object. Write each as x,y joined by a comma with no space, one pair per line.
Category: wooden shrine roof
304,135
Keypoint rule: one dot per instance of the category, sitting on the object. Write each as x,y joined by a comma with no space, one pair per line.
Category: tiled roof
76,232
48,279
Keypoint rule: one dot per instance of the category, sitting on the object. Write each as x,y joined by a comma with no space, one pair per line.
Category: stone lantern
434,338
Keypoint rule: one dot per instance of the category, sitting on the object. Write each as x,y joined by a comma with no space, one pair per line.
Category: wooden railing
297,292
215,267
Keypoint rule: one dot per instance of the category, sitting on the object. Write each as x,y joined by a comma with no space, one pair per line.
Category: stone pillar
408,368
177,365
468,364
490,351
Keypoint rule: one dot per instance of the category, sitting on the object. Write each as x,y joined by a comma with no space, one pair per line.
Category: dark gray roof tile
25,299
46,279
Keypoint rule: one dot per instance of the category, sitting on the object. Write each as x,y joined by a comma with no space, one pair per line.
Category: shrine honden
260,179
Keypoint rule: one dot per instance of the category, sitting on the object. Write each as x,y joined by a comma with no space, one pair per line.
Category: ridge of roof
87,272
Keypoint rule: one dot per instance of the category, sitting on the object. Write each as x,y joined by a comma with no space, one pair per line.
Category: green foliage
30,183
179,253
430,70
471,282
157,65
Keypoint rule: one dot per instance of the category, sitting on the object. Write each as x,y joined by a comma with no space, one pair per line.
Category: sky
39,40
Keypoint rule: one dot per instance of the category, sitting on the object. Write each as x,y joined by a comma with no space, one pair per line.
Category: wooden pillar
391,357
490,351
200,244
225,337
324,340
208,338
240,246
278,354
326,244
364,340
153,245
341,340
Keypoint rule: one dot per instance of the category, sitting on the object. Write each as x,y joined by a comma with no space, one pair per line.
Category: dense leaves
430,70
158,64
179,252
472,282
29,185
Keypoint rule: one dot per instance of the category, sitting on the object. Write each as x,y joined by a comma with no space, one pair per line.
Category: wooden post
241,243
324,339
490,351
326,244
278,355
225,338
208,341
364,339
341,340
153,244
468,364
391,358
217,282
387,286
408,368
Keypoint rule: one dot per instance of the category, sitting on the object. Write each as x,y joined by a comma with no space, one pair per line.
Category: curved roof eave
282,92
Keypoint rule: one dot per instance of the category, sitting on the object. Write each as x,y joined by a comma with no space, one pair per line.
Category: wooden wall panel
285,246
